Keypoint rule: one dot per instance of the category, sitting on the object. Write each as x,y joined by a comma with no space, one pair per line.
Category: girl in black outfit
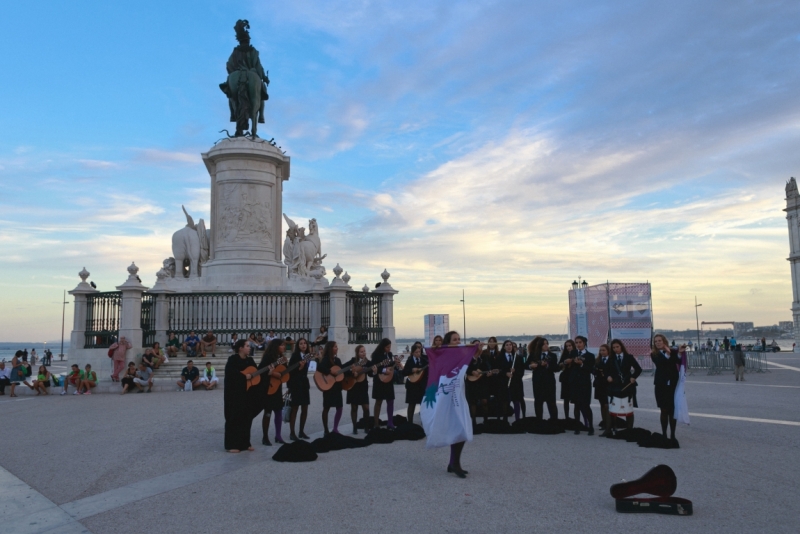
567,353
601,374
333,397
383,390
271,403
238,408
621,381
127,380
543,363
503,362
517,371
299,388
580,381
415,391
358,395
665,379
477,391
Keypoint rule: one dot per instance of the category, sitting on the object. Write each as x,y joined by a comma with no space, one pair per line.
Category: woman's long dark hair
381,348
447,337
296,351
621,345
327,352
535,348
272,352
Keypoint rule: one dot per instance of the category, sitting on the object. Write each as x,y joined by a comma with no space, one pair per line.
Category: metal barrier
717,362
102,319
148,319
364,317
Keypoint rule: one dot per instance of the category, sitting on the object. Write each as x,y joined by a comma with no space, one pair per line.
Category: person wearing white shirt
208,378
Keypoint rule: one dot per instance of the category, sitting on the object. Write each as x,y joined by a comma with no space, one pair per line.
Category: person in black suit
515,391
299,387
544,364
383,390
503,362
665,379
580,381
271,403
568,352
600,373
358,395
620,376
415,391
477,391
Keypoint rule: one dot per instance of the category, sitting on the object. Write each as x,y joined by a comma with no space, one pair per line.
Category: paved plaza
155,463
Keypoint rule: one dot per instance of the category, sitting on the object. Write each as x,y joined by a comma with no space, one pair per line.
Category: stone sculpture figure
190,247
303,253
246,87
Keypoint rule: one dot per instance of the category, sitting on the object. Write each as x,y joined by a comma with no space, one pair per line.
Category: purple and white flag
444,411
681,413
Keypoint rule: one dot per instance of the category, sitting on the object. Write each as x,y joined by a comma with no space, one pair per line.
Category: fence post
161,291
337,330
78,338
130,321
387,293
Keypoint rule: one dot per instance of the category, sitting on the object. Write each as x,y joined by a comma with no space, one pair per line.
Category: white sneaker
180,389
63,392
75,392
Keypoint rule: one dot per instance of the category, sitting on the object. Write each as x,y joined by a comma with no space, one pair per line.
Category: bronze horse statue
246,87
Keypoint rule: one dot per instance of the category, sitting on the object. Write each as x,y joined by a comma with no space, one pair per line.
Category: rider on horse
246,87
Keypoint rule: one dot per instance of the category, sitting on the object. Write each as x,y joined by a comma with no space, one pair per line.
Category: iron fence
287,314
364,322
102,319
325,309
148,319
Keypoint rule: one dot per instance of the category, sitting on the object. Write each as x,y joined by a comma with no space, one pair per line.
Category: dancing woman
358,395
333,397
543,363
238,410
665,379
383,391
299,388
271,403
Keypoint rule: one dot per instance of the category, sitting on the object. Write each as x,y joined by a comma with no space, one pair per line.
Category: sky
504,148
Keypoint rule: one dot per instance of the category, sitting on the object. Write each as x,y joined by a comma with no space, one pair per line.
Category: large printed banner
609,311
435,325
631,316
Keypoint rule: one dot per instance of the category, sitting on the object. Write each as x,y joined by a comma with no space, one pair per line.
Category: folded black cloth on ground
659,441
408,431
295,451
498,426
616,422
532,425
399,420
570,424
337,442
380,435
634,435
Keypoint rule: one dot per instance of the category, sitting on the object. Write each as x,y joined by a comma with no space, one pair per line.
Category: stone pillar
77,338
246,208
130,321
161,291
387,293
792,216
337,331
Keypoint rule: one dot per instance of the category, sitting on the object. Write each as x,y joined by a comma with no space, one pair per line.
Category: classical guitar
255,373
275,383
348,381
325,382
387,378
416,375
472,378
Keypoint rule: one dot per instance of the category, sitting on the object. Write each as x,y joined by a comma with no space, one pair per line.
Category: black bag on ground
295,451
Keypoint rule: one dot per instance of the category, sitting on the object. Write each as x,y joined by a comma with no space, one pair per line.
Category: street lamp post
464,313
63,311
697,318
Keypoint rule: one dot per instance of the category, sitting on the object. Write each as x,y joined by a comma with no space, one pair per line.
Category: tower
793,217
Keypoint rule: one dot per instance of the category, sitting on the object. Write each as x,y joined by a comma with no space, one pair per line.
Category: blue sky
502,147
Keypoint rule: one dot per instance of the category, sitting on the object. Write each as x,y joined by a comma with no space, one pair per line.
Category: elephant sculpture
190,247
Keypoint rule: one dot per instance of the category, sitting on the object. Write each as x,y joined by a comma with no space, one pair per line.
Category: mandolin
416,375
255,373
473,378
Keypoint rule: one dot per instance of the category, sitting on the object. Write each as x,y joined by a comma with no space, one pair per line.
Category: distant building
786,326
742,328
435,325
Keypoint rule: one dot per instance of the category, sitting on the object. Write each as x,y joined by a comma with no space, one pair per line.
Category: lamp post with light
697,318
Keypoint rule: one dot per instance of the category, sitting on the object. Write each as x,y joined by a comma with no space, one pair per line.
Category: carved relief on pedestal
244,213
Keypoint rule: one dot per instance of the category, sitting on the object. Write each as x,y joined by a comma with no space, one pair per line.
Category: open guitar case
659,481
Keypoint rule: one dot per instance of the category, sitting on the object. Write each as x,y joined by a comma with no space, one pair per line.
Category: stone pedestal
246,208
79,316
387,293
130,319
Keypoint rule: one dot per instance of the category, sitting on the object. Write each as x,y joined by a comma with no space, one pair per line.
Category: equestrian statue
246,87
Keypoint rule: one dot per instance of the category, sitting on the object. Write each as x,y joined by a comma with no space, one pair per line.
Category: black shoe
303,435
266,442
606,434
355,431
591,431
292,437
577,432
460,473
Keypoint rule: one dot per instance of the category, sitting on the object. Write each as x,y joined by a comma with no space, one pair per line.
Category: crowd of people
494,385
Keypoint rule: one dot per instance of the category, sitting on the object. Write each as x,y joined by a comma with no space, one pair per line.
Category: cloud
97,164
153,155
